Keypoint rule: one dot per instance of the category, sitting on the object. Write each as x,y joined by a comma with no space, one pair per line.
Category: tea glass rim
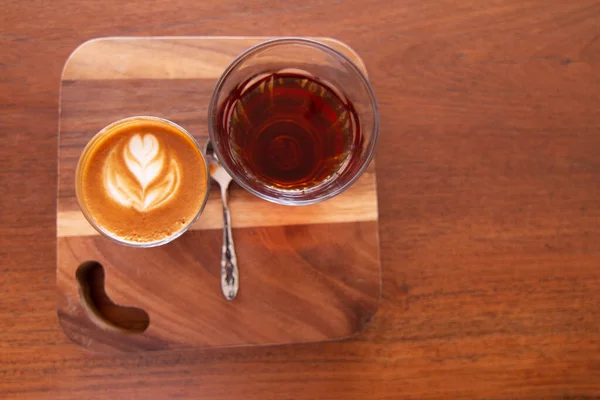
105,232
213,119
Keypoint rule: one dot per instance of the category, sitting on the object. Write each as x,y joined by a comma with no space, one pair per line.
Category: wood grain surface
489,204
307,273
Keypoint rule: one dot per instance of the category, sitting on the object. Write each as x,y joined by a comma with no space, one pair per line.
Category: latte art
142,181
149,178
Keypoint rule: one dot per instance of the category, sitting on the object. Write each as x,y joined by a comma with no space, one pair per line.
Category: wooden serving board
307,273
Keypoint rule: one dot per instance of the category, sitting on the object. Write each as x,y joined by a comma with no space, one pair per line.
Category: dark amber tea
288,129
294,121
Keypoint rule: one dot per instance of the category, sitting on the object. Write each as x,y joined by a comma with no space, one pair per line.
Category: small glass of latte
142,181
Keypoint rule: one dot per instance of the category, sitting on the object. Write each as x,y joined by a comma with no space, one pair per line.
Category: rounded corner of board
347,50
75,54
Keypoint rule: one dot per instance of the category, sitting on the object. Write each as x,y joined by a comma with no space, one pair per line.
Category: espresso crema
142,180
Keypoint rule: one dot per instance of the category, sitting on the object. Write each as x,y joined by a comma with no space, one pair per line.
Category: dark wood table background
489,193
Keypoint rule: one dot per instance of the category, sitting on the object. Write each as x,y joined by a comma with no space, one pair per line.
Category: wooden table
489,197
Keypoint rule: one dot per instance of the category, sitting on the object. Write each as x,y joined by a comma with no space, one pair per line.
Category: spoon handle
229,269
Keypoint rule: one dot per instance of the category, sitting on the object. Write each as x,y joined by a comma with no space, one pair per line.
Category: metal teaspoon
230,283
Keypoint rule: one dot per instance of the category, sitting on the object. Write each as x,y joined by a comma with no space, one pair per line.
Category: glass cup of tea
293,121
142,181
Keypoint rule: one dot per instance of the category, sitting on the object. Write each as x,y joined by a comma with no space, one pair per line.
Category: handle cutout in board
100,308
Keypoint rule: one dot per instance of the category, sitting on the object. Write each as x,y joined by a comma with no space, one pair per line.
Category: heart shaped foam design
141,158
144,178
